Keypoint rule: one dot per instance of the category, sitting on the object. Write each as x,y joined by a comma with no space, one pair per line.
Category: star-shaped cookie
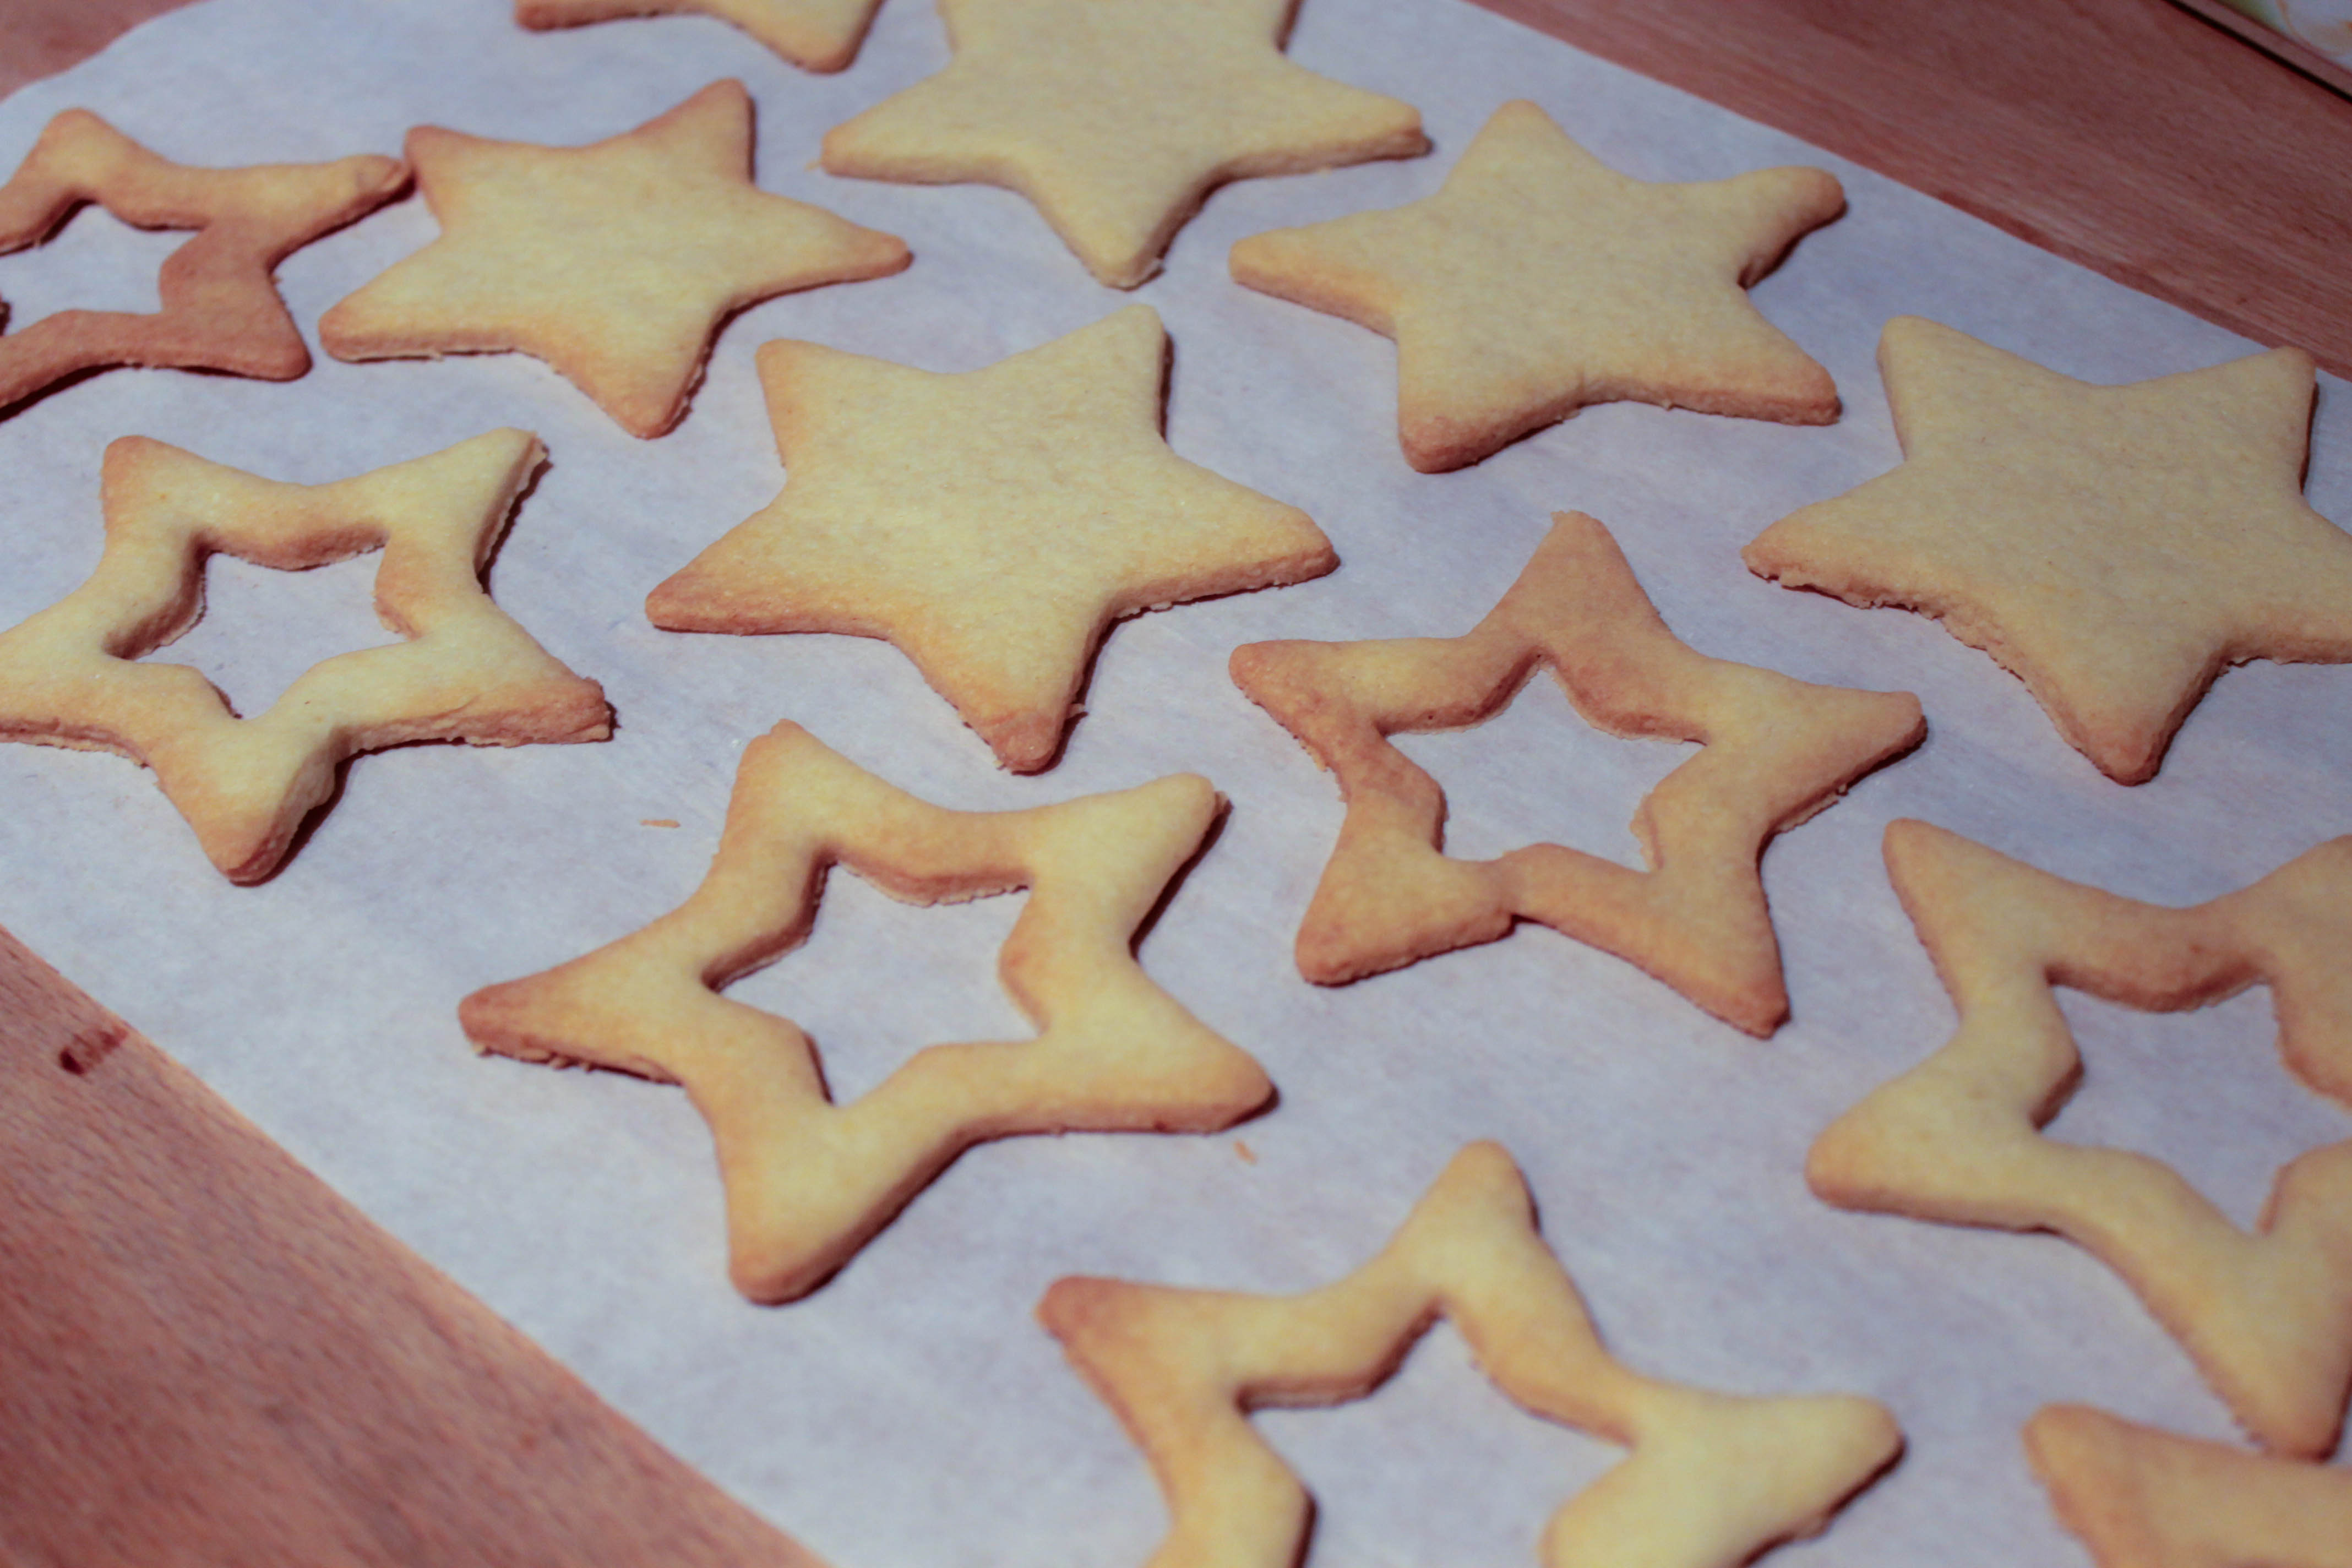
2113,547
2140,1498
1539,279
1117,118
1712,1480
816,35
990,524
808,1182
68,677
2266,1317
1776,750
221,309
615,263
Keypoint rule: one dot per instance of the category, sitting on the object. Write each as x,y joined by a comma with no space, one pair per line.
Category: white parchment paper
911,1413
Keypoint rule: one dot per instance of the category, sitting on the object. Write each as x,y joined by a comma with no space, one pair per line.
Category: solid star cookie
616,263
1712,1480
466,672
221,309
1117,118
990,524
2140,1498
2267,1317
816,35
1776,750
1539,279
2113,547
808,1183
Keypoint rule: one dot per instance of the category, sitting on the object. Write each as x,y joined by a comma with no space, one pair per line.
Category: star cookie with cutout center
221,309
990,524
1539,279
809,1181
1117,118
2266,1317
815,35
1712,1480
2140,1497
2113,547
68,677
616,263
1776,750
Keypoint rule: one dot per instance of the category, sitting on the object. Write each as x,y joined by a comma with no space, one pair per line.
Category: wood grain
2128,135
41,37
206,1357
2281,47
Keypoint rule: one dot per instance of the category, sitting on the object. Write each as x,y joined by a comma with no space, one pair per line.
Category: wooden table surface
2131,136
209,1358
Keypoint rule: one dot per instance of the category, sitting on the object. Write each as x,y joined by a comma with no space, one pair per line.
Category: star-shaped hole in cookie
990,524
616,263
815,35
2113,547
466,672
1774,751
1117,118
1712,1480
220,306
2266,1316
1539,279
808,1183
2140,1497
311,615
91,261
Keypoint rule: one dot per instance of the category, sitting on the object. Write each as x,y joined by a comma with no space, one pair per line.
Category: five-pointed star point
1539,279
2266,1316
815,35
1712,1480
615,263
69,676
221,309
1118,117
991,524
2113,547
1776,752
809,1181
2140,1497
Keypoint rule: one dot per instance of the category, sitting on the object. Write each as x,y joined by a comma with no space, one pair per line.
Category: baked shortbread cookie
990,524
2113,547
221,309
615,263
1117,118
815,35
2266,1317
1777,750
1712,1480
2140,1498
466,672
1539,279
809,1181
